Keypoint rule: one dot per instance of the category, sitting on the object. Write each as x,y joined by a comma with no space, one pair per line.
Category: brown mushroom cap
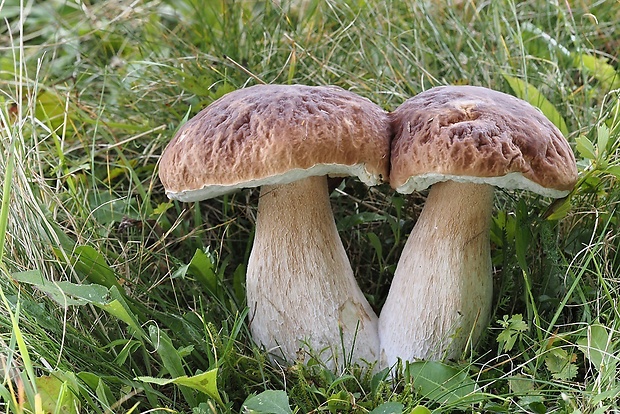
474,134
276,134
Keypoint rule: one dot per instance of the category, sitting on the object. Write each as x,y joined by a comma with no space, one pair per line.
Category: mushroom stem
300,285
442,290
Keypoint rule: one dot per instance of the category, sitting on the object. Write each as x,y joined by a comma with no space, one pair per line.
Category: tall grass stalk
6,193
12,138
9,151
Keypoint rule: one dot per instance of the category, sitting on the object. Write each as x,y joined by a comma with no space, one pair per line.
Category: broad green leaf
598,347
585,147
529,93
398,202
205,382
161,209
521,385
420,409
113,173
602,138
106,208
97,386
127,348
89,293
614,170
171,358
90,379
181,272
67,293
394,407
198,85
268,402
442,383
165,349
559,209
377,379
119,308
92,264
222,90
560,363
202,267
104,394
536,406
603,409
513,328
56,395
204,408
51,289
600,69
338,402
50,108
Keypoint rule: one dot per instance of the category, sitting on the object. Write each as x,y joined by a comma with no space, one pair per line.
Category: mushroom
462,141
300,285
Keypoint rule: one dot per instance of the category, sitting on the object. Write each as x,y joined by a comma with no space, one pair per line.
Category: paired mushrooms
461,140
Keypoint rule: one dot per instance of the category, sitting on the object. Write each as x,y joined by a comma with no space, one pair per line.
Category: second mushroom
462,141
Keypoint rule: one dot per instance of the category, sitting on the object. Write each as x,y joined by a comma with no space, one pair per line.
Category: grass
116,300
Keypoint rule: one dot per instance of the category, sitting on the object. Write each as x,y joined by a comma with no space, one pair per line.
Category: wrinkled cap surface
276,134
474,134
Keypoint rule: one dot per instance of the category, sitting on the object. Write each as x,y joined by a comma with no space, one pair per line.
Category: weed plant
114,299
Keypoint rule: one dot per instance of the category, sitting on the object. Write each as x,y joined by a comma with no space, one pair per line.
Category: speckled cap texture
474,134
275,134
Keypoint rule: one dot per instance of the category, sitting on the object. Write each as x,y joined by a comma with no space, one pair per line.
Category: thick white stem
301,290
442,290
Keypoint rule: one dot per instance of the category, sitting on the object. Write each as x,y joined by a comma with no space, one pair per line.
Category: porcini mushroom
287,139
462,141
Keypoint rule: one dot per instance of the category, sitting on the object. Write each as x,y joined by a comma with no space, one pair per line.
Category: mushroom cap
276,134
475,134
